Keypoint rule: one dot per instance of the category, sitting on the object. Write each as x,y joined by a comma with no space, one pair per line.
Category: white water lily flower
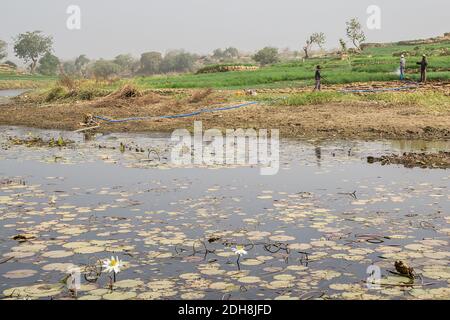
239,250
113,265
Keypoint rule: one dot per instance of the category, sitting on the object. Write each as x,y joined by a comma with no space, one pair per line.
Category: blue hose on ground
175,116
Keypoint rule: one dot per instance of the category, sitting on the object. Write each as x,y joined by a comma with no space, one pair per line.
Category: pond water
311,231
12,92
5,95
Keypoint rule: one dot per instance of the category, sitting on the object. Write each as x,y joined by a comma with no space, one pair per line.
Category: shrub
56,93
90,93
226,68
104,69
265,56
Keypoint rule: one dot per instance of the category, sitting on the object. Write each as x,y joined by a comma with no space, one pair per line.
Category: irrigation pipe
175,116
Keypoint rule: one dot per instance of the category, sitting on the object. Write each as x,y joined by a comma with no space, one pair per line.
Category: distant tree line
35,49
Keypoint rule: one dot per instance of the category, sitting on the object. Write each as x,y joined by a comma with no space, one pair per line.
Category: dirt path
368,120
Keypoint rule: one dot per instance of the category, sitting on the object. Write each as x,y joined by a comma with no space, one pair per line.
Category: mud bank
353,120
440,160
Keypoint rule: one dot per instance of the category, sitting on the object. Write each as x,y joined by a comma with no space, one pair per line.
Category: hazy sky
110,27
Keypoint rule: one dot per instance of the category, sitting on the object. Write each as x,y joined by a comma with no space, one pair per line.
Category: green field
374,64
18,81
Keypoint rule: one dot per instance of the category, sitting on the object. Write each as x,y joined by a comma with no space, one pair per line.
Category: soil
361,120
440,160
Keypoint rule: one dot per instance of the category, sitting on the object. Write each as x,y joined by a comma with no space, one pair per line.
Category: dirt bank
440,160
363,120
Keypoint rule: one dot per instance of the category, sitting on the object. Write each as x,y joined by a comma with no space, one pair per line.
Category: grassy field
374,64
429,101
19,81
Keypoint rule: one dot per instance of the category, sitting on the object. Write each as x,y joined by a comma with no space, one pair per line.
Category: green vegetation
12,80
225,67
60,92
48,65
317,38
151,62
267,55
355,33
375,63
103,69
296,74
228,54
434,101
30,46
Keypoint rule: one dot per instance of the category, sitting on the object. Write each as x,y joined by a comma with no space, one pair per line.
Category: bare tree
317,38
343,45
355,33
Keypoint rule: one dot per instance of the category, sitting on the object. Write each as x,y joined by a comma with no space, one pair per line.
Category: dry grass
200,95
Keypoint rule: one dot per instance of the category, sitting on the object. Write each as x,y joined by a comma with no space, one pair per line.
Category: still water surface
311,231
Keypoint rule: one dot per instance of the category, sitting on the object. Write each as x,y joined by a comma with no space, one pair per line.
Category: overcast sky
110,27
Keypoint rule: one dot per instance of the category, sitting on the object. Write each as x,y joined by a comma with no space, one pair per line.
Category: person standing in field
402,67
423,69
318,78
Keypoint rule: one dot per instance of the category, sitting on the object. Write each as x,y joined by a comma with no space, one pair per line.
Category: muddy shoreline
359,120
439,160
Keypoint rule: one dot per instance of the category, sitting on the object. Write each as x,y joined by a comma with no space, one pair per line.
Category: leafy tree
3,53
125,62
81,63
231,53
218,54
105,69
30,46
150,62
168,63
267,55
178,61
317,38
355,33
48,65
135,66
69,68
227,54
184,62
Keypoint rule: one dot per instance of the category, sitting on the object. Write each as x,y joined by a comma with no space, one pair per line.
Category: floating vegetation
214,233
403,269
39,142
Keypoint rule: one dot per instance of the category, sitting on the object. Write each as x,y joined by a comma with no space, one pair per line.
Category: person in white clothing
402,67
